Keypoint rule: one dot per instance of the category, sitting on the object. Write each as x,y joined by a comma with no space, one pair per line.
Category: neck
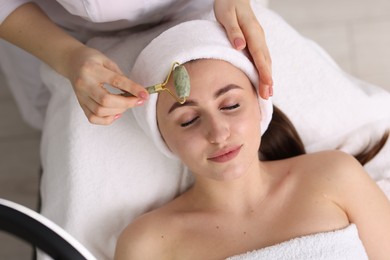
240,195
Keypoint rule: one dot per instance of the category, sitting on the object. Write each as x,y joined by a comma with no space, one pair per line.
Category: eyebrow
217,94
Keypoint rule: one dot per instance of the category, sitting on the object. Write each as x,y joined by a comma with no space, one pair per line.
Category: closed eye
231,107
188,123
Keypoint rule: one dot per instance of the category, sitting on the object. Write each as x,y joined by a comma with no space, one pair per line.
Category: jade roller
181,82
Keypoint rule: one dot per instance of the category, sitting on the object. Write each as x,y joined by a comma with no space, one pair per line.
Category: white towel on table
97,179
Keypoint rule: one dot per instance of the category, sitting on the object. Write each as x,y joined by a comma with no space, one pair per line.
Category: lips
225,154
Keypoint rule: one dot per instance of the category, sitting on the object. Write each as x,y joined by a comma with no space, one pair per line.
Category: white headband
198,39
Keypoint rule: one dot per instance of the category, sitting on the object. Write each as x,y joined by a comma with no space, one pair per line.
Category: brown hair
282,141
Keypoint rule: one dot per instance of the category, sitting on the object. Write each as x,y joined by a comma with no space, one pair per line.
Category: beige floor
354,32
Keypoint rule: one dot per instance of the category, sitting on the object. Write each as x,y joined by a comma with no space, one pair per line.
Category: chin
230,174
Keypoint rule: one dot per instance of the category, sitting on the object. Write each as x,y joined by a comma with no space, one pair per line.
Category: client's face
217,131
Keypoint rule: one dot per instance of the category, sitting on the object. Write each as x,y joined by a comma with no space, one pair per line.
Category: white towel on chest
334,245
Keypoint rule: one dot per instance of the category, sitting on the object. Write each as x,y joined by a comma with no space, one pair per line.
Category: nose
218,130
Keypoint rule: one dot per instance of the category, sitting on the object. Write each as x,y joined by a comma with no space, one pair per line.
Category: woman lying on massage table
287,203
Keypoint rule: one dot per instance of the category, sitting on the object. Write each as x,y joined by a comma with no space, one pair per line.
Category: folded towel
206,40
334,245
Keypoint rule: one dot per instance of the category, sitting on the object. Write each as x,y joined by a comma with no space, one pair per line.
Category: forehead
212,72
206,76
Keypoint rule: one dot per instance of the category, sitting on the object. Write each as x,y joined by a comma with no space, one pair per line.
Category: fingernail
140,102
115,83
143,95
239,43
117,116
271,91
265,92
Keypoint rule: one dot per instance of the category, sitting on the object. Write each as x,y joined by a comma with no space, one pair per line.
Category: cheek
249,122
248,126
189,148
168,136
181,144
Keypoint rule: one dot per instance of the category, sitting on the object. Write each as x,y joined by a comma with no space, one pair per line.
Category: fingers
258,49
99,105
102,107
244,30
99,120
114,76
262,59
126,85
111,102
100,115
233,30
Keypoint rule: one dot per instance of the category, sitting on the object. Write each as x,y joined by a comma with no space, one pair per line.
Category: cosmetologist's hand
244,30
29,28
89,70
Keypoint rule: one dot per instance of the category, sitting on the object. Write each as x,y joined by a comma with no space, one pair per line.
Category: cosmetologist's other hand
244,30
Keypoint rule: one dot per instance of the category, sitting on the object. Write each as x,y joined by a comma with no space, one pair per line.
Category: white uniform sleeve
8,6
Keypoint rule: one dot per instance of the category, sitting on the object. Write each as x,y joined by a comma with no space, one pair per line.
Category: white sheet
97,179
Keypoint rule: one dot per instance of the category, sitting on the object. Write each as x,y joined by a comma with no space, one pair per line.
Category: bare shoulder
327,171
330,164
145,238
334,157
366,205
335,173
340,178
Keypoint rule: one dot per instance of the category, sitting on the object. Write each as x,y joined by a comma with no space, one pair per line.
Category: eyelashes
231,107
188,123
193,120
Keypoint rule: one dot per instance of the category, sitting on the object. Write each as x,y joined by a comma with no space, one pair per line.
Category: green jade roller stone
181,81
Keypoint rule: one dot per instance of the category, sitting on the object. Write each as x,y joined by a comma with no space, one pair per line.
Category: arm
367,206
243,30
142,240
29,28
131,246
126,246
